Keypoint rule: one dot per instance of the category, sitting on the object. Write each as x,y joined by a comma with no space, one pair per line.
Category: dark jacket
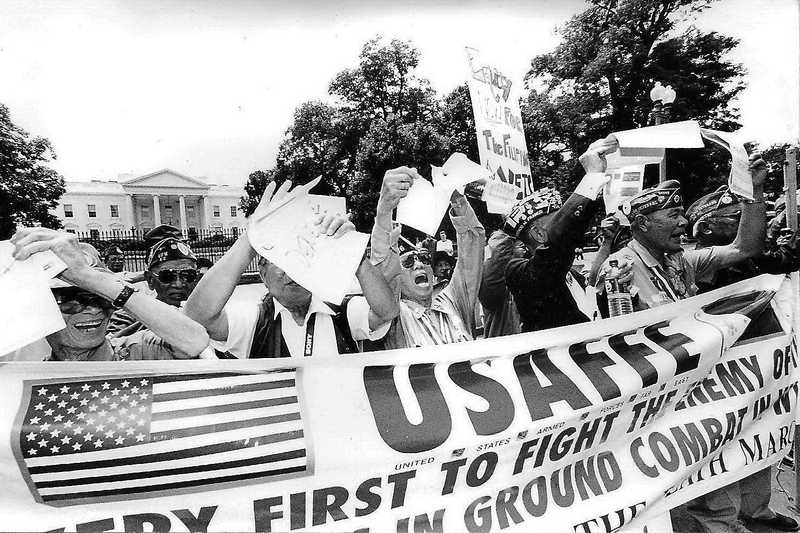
538,284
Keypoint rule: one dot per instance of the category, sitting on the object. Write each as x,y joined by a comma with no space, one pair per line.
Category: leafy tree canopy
28,187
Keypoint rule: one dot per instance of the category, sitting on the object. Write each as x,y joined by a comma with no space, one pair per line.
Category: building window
114,211
190,210
168,210
92,210
145,211
68,211
233,210
216,210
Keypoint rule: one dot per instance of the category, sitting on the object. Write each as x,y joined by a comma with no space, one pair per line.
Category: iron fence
210,243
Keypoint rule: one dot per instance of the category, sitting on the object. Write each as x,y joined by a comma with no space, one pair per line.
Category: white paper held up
685,134
458,170
287,237
425,205
739,181
35,313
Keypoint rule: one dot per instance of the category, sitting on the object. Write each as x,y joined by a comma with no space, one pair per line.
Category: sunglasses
187,275
73,304
407,260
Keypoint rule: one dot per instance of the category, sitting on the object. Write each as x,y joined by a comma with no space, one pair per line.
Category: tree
28,187
598,79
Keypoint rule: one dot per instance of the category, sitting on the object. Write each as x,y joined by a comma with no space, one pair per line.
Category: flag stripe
217,383
217,419
177,485
207,401
165,450
212,409
253,448
171,378
262,459
187,432
194,393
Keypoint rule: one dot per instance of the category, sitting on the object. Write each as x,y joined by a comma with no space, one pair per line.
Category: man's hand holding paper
320,252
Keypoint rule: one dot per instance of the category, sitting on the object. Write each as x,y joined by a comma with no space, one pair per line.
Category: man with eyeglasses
171,273
86,293
714,220
428,318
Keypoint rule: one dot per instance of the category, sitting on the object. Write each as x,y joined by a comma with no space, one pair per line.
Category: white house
143,202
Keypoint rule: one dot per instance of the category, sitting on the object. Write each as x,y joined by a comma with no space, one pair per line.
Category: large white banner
585,428
498,123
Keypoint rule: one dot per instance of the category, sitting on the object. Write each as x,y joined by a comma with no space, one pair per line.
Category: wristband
123,296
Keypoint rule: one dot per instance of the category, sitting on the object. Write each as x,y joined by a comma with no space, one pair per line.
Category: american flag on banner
116,438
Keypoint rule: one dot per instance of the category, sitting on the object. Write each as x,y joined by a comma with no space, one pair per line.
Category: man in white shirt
290,321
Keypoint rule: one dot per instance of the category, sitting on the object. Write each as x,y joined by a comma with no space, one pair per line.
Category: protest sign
327,205
32,312
425,204
286,235
739,180
498,123
575,429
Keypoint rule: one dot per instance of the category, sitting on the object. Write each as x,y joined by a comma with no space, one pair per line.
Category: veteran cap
709,204
167,250
540,203
664,196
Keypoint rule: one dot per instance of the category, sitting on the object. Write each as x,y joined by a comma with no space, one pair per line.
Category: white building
144,202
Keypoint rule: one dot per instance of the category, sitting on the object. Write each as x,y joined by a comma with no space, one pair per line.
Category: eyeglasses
407,260
75,303
187,275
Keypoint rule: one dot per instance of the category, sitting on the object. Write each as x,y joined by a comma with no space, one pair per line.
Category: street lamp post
662,98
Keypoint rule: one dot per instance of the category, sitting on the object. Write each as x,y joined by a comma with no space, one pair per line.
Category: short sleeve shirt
658,284
243,318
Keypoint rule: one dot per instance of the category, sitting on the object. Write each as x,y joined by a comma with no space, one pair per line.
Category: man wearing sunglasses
86,293
428,318
714,221
171,273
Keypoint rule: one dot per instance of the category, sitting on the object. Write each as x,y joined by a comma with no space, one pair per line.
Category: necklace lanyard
308,347
660,280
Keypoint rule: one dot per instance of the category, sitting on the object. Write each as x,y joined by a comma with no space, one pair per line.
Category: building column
182,214
206,216
132,211
156,211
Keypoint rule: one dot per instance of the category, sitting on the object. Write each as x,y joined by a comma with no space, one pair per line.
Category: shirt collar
418,309
316,306
642,252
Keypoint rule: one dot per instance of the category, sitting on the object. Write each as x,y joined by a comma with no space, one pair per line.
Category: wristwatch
124,295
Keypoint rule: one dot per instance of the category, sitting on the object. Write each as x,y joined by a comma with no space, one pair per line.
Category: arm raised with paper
551,232
288,248
165,321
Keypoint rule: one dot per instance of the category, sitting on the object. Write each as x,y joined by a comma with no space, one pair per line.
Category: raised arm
492,291
751,235
206,303
167,322
609,228
471,239
395,186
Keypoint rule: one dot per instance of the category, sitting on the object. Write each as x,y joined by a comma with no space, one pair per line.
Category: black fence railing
212,244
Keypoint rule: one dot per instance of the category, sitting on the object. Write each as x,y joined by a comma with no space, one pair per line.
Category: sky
208,88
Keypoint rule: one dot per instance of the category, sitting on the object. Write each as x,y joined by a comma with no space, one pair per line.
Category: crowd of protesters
525,279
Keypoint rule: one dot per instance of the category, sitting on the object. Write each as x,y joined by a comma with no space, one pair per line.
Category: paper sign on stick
34,313
684,134
739,180
287,237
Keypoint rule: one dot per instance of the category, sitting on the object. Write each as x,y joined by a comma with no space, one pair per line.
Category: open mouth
88,325
421,279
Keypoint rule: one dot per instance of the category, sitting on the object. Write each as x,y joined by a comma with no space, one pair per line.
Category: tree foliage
381,114
28,187
598,80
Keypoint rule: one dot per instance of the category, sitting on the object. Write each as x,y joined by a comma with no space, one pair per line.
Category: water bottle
619,296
